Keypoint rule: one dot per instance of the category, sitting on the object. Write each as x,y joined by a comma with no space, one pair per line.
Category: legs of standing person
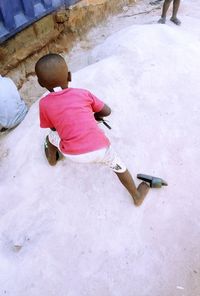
165,8
174,18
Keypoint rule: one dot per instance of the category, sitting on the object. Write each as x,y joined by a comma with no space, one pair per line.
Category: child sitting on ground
71,115
174,19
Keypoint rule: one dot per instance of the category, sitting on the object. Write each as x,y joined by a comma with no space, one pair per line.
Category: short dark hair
49,59
48,70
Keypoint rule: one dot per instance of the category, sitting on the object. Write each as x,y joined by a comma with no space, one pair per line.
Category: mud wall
56,32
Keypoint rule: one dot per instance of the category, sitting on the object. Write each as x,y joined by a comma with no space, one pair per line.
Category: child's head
52,71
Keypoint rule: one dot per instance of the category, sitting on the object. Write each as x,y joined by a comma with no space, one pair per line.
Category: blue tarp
15,15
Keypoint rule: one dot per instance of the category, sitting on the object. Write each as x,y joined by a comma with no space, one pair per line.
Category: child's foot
162,20
143,189
51,152
175,20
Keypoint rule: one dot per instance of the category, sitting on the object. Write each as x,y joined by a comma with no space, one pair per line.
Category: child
70,113
12,107
174,19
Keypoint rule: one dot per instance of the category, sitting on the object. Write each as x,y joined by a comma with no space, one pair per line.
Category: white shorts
106,156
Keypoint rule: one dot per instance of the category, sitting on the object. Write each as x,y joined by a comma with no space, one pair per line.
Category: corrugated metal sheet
15,15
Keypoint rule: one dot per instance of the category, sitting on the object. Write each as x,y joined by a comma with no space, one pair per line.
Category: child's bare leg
174,18
164,11
138,194
51,152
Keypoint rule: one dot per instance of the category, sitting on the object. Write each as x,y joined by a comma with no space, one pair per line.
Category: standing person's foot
162,20
142,189
175,20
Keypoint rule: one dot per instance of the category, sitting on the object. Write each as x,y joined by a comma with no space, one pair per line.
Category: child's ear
69,76
40,83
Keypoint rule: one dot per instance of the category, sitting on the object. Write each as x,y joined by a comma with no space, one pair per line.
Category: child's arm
105,111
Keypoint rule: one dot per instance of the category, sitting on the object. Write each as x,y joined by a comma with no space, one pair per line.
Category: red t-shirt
70,112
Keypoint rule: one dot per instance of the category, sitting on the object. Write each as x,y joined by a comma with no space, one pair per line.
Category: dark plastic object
155,182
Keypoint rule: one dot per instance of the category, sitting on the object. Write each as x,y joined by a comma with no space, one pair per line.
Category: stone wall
53,33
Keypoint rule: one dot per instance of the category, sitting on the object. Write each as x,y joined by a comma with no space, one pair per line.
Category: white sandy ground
72,230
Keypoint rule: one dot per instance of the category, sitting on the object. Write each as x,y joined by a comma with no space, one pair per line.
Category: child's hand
97,118
102,120
104,112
